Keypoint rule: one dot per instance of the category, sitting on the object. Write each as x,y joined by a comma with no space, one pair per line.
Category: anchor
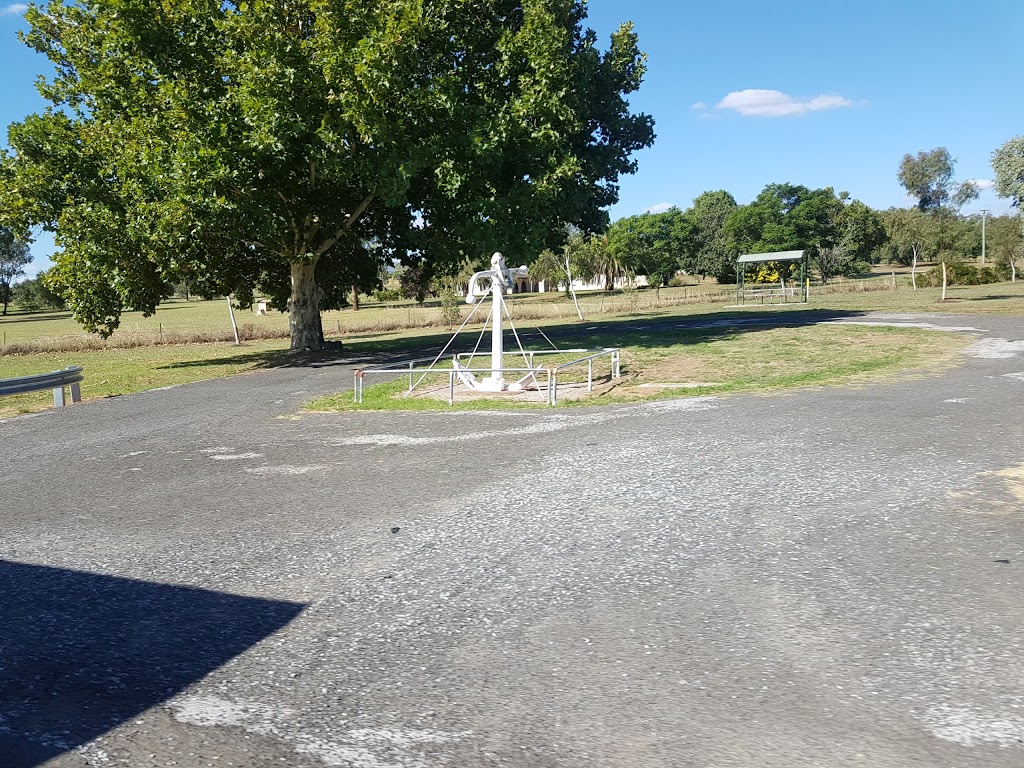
500,279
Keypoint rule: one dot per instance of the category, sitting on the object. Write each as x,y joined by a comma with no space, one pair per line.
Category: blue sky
750,92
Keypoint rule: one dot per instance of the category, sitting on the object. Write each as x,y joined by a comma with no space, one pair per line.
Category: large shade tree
653,244
265,143
712,252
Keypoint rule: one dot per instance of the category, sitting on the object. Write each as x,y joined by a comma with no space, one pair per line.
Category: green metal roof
747,258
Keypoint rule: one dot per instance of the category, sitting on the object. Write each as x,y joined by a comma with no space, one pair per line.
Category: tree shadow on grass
81,653
35,317
265,359
649,330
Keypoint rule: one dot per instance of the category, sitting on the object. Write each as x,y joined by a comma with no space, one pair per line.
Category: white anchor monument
497,281
501,281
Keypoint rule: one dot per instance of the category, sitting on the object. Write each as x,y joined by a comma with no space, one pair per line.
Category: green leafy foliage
713,254
1005,241
654,244
1008,164
35,294
928,176
236,145
958,273
14,257
839,233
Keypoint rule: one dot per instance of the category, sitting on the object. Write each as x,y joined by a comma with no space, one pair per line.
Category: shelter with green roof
771,293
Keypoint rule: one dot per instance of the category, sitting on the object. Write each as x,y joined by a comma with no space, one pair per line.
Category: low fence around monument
550,373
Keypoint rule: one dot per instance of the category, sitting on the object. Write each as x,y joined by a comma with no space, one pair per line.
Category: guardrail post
590,375
451,387
58,397
355,386
76,393
410,375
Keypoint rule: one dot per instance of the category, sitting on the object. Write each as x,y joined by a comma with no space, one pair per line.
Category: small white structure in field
501,281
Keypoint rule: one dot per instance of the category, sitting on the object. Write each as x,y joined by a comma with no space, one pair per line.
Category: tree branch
352,219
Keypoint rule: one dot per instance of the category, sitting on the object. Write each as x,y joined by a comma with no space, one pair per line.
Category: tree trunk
355,299
913,270
570,290
943,281
304,307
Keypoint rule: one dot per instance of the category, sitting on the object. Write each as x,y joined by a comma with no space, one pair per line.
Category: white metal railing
550,373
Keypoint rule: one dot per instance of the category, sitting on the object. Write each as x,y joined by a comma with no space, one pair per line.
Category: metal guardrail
58,381
550,374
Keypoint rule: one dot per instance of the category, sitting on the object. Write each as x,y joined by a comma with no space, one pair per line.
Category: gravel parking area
203,576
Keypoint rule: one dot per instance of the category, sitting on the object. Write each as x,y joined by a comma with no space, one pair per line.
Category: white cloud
660,207
14,9
755,102
700,106
982,183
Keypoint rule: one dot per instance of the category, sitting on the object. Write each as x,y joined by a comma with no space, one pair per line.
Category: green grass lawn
705,362
133,361
209,320
121,371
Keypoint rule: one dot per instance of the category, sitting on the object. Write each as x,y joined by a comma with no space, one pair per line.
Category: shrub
384,295
958,273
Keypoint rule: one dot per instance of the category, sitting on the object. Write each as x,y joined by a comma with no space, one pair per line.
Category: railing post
590,375
451,387
410,375
355,386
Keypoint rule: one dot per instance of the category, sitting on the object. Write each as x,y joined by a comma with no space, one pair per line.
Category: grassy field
121,371
705,362
179,321
188,341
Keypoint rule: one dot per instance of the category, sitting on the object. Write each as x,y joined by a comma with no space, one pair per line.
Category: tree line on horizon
844,237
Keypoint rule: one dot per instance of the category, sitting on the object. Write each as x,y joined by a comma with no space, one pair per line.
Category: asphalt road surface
201,576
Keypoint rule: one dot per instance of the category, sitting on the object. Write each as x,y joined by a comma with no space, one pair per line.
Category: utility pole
984,212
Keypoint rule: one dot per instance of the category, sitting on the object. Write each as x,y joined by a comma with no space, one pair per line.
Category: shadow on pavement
81,653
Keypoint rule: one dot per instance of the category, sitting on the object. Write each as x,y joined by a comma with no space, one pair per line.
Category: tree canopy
928,176
266,143
654,244
1008,164
712,253
840,233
